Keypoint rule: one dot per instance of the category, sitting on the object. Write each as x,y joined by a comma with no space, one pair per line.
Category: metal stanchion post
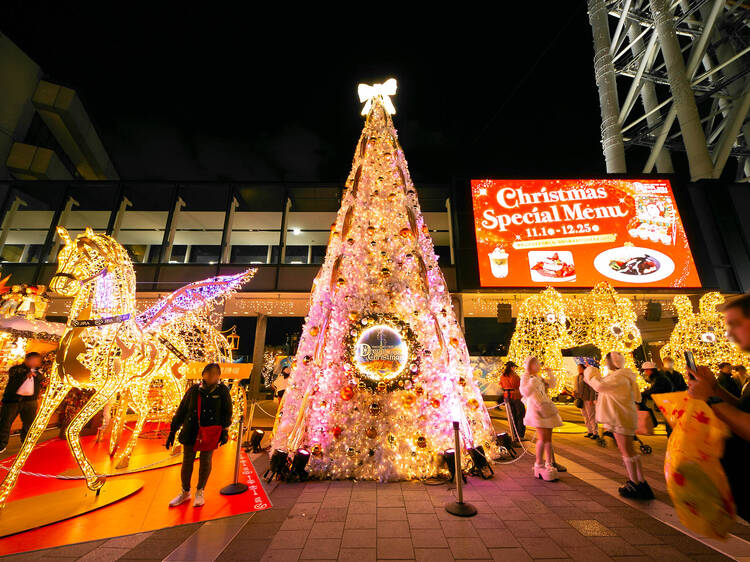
459,507
236,487
511,421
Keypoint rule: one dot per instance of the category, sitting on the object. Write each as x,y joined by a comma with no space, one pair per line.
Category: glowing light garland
107,349
703,333
380,265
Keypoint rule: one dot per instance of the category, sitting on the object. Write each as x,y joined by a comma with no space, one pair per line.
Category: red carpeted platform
145,510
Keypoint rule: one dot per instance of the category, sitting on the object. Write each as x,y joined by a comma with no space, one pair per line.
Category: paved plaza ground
580,517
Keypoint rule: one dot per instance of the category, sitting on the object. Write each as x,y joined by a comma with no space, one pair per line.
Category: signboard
380,353
229,371
577,233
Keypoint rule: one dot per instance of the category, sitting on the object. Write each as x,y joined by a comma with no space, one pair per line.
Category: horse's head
82,260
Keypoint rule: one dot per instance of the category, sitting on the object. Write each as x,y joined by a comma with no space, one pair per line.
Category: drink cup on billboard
499,263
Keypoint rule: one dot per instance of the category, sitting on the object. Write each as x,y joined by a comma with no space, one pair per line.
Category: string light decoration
703,333
105,348
381,269
550,322
541,330
606,320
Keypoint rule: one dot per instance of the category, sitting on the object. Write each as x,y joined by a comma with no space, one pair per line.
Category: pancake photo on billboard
556,265
634,264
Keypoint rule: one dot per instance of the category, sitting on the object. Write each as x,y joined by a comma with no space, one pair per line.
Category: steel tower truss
673,76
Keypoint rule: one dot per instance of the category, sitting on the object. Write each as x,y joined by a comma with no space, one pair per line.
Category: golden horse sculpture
105,347
703,333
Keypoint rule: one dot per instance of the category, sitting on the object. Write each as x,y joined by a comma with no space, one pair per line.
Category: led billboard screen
576,233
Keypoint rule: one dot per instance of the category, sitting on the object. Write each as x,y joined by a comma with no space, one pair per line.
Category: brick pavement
519,519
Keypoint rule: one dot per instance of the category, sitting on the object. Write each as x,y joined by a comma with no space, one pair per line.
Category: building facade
181,232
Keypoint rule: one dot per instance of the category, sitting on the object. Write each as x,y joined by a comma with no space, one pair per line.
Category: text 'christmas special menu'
580,232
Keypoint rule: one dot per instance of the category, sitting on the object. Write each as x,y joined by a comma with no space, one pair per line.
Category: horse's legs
118,423
141,406
73,431
52,398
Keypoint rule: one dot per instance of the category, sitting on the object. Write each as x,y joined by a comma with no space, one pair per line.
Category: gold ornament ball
350,452
353,316
361,385
371,432
371,230
316,450
385,272
422,442
434,402
314,331
347,393
461,381
307,359
454,342
340,281
473,403
405,232
409,400
375,409
419,391
391,439
350,241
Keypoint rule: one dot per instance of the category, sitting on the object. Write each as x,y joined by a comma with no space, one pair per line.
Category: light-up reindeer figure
703,333
105,348
541,331
605,320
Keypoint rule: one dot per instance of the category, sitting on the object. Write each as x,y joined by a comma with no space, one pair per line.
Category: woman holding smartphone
616,411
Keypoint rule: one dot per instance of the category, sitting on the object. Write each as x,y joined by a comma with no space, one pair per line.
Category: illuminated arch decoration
105,348
703,333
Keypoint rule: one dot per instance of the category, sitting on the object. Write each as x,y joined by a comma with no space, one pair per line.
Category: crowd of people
613,401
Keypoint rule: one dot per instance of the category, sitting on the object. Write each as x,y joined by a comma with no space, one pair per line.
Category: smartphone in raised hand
690,362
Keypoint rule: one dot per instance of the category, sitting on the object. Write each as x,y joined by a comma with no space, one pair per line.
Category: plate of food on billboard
579,232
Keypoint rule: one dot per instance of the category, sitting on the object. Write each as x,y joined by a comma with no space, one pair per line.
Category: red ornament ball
347,393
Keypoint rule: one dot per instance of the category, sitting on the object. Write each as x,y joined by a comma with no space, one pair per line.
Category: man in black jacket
726,381
20,397
660,384
675,377
215,410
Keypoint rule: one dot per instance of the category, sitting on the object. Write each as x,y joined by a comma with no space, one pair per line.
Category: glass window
144,221
318,254
257,222
296,255
200,222
250,254
29,224
204,254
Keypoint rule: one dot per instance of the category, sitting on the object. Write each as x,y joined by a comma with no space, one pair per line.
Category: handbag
208,436
546,409
645,423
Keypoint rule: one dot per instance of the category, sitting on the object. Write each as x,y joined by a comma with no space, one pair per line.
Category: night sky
219,94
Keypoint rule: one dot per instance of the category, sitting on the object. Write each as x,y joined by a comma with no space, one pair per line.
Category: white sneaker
182,497
199,499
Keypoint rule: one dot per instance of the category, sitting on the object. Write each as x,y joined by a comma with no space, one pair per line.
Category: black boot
629,490
644,491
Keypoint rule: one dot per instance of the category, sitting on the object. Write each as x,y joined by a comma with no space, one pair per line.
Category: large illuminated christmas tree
382,368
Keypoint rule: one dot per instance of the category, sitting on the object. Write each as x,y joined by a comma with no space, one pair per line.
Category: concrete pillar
450,229
124,204
226,237
166,250
693,137
604,74
69,204
8,222
258,346
282,237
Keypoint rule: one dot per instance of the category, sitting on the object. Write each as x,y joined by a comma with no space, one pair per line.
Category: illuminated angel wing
194,298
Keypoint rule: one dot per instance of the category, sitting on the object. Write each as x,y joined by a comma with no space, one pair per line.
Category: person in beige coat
616,411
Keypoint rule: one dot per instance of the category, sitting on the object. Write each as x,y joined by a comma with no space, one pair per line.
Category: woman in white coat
616,411
541,414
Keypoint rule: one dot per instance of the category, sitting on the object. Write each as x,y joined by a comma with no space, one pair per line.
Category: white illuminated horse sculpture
105,348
